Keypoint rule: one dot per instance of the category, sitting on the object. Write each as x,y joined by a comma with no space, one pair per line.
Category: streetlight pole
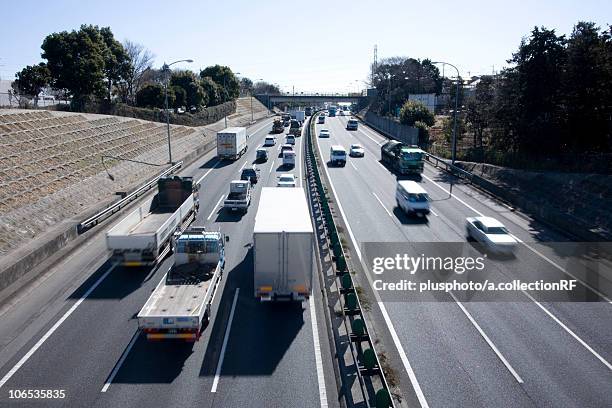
454,152
166,69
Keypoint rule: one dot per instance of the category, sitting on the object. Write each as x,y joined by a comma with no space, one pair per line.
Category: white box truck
180,305
231,143
283,241
144,236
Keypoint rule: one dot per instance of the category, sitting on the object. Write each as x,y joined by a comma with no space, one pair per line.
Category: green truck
402,158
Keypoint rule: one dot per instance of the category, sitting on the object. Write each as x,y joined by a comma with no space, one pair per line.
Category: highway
517,351
75,328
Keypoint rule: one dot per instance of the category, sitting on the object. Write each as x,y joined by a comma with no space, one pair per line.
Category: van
289,158
337,155
352,124
411,197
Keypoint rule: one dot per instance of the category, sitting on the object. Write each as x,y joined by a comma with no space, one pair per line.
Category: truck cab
180,306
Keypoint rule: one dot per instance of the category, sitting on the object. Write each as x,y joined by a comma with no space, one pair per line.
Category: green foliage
152,96
80,62
225,78
447,128
553,101
32,79
213,91
414,111
194,93
180,97
423,133
396,78
265,88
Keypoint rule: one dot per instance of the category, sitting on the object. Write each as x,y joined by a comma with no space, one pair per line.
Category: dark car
261,155
251,174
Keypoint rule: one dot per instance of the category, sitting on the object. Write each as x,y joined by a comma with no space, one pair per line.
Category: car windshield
356,146
412,155
286,178
497,230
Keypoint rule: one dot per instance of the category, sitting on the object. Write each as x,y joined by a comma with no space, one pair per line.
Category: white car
290,140
357,150
286,180
492,233
269,141
324,133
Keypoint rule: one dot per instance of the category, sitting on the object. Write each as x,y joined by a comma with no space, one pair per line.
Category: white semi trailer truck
144,236
180,306
283,245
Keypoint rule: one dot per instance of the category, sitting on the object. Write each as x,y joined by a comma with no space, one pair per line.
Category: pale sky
317,46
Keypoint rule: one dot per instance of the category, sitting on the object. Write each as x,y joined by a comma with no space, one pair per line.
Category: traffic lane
58,341
270,344
553,329
81,353
192,368
557,370
430,322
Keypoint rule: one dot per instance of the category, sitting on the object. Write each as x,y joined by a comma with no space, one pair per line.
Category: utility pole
454,152
166,69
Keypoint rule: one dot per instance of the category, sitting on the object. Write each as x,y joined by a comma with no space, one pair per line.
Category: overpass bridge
311,99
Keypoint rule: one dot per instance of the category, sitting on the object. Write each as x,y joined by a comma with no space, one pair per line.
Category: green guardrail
357,328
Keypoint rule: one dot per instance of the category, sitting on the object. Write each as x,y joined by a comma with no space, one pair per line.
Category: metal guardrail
451,168
107,212
366,358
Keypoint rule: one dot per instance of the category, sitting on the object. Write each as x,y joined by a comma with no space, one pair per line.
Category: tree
180,97
195,95
479,108
413,111
265,88
246,86
117,63
225,78
587,94
31,80
152,96
213,91
397,77
85,62
141,61
76,62
536,77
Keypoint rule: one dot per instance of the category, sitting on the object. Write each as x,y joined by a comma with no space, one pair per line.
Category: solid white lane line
121,360
208,172
271,167
570,332
215,208
48,334
351,163
318,358
382,204
549,313
225,339
488,340
244,164
454,196
398,345
433,212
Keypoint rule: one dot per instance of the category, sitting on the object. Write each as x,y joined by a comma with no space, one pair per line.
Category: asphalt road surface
522,351
75,329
